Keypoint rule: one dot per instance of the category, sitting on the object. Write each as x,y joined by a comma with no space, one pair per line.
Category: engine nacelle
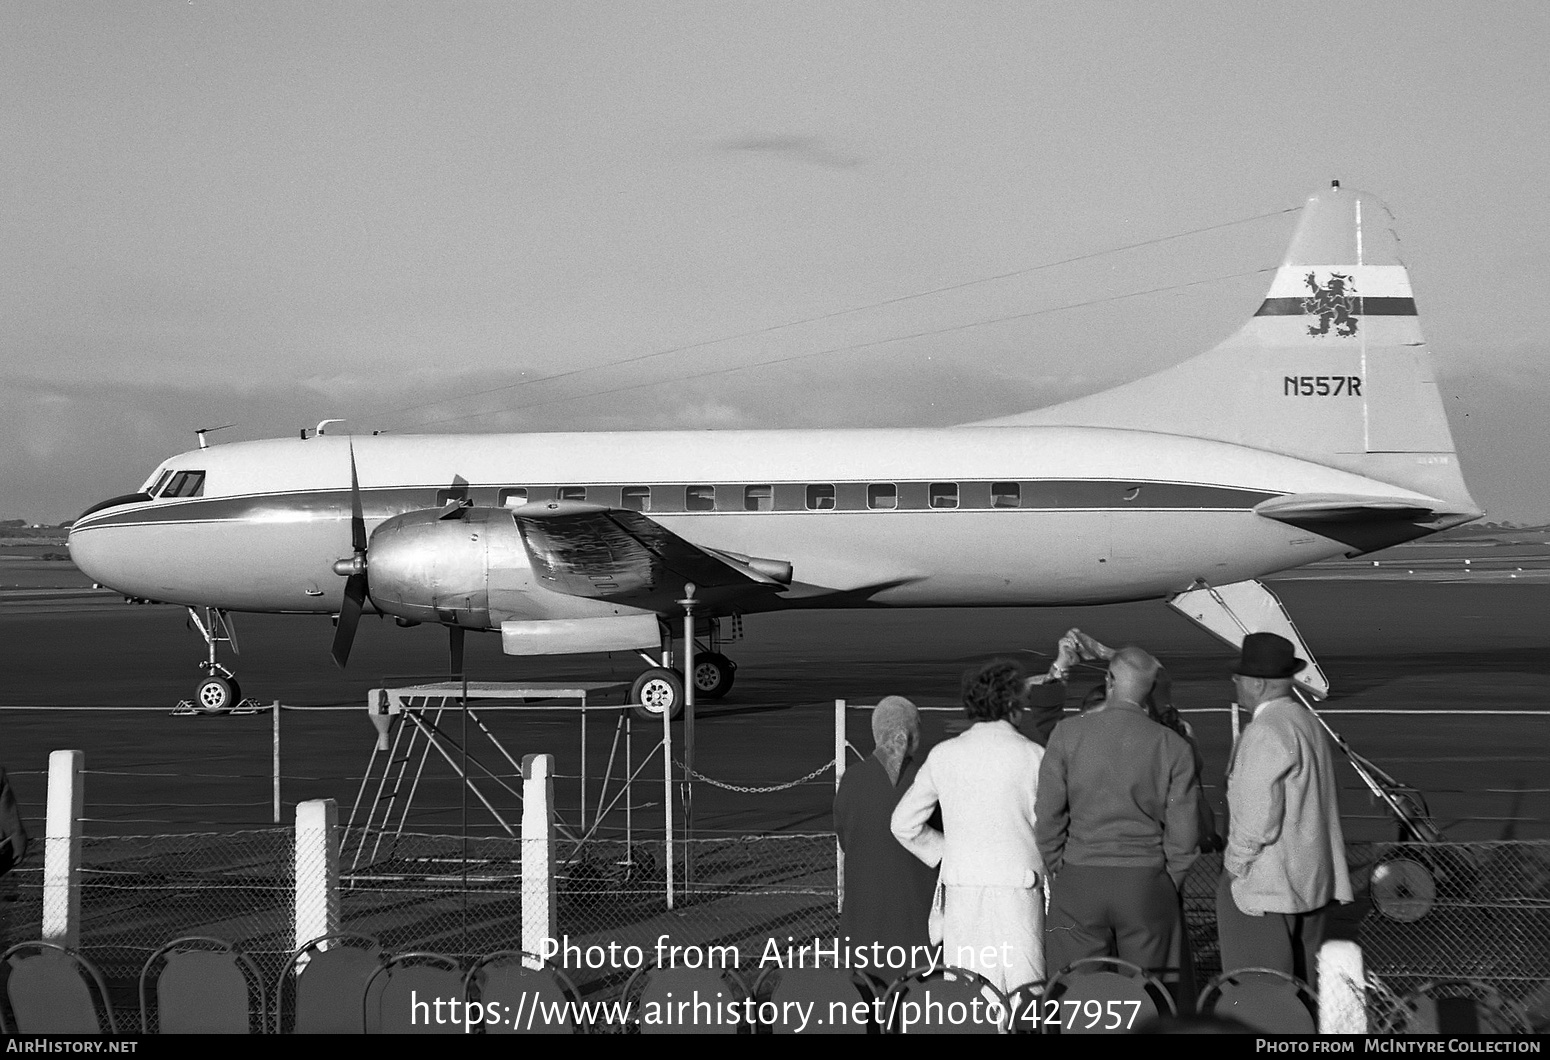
467,569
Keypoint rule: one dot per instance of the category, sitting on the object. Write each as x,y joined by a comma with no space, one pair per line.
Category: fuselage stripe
710,499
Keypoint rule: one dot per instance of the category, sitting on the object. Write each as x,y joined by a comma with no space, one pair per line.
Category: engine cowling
470,568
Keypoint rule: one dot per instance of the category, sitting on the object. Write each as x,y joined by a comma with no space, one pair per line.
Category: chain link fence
1425,912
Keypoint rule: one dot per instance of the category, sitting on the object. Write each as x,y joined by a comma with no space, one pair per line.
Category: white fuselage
962,516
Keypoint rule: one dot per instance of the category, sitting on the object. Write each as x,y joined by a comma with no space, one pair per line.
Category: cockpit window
161,480
186,484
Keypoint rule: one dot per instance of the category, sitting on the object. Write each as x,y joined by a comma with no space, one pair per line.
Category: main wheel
217,695
655,691
713,674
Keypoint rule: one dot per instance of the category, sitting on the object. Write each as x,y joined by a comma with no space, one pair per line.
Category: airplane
1314,431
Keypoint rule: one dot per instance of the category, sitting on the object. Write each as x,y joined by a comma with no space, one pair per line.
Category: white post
276,709
62,849
317,870
667,799
688,783
538,885
1342,988
839,775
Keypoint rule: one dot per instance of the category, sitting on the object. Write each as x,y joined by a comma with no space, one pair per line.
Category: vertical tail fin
1332,368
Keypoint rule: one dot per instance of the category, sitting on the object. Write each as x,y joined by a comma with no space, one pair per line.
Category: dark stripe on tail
1369,307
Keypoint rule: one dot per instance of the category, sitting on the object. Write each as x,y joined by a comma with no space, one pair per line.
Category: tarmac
84,670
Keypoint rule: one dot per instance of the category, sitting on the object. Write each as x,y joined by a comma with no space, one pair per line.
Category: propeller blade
357,519
455,649
349,617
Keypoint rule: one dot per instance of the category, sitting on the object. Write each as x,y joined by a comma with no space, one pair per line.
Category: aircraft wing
627,557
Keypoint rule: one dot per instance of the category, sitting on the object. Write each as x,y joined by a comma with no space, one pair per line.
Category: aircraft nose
95,546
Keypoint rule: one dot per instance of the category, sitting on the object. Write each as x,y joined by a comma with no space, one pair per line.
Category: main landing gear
662,687
218,692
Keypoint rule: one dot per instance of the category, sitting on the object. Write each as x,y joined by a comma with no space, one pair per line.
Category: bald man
1117,826
887,899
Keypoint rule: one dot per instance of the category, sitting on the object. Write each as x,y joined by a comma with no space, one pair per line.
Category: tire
1403,889
217,695
656,690
713,674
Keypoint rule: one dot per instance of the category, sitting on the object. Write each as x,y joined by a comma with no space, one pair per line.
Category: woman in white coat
991,882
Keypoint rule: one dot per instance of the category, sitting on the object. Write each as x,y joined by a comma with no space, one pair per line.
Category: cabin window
514,497
635,498
457,493
1005,495
944,494
882,495
758,498
820,498
186,484
699,498
573,493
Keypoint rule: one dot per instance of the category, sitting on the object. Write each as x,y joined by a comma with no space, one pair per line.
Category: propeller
354,569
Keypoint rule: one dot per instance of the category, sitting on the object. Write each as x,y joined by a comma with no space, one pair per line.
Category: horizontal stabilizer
1340,507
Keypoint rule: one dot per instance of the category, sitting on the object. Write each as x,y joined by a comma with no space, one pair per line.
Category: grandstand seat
1125,996
325,982
819,987
201,985
50,989
657,997
410,985
505,978
946,987
1454,1007
1023,1011
1262,999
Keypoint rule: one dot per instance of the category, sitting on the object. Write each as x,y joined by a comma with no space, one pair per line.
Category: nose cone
99,549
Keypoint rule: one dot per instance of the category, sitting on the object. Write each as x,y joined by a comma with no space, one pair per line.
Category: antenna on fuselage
200,433
324,423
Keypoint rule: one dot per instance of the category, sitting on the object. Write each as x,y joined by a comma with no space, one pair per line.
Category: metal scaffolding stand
414,721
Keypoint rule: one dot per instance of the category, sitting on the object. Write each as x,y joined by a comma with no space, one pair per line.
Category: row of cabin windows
813,497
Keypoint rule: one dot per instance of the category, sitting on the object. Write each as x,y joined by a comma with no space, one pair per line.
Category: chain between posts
751,789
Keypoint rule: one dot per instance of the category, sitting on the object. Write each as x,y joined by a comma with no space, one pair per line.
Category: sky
570,215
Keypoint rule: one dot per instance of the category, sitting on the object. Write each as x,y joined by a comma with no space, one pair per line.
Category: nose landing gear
218,692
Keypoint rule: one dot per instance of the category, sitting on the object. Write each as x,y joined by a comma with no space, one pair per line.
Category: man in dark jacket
1117,825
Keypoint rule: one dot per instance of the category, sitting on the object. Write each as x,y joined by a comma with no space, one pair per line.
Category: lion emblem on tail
1334,304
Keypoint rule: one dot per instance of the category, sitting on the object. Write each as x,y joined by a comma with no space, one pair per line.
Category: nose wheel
218,692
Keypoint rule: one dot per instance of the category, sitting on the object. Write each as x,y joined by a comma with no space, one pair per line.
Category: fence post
317,870
1342,988
538,884
839,775
276,709
62,848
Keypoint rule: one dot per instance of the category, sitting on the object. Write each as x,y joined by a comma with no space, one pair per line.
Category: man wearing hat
1284,866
